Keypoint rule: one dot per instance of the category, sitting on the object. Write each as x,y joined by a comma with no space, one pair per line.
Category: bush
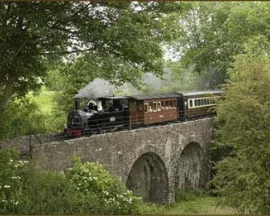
10,181
85,189
112,196
49,193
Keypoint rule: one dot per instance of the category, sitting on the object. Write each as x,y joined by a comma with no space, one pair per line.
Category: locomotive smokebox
77,103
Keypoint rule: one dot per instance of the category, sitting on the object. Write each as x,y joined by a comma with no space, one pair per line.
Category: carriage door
133,113
140,112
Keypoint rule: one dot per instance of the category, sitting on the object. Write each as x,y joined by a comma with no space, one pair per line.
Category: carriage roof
195,93
153,96
162,96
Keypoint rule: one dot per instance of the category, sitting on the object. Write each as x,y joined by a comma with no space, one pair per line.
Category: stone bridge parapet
152,161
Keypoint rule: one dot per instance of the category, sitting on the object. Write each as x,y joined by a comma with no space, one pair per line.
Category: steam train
106,114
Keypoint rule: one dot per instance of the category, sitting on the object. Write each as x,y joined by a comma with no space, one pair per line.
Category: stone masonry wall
119,151
23,143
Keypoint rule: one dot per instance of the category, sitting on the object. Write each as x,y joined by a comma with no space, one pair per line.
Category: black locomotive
113,113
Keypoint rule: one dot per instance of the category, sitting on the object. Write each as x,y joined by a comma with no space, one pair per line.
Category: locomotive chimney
77,103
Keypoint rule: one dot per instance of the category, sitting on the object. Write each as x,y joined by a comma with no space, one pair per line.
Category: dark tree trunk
4,97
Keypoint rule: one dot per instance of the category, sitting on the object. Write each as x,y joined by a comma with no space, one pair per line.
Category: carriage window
171,104
174,104
199,102
190,103
159,106
154,106
167,105
140,106
150,107
146,107
163,105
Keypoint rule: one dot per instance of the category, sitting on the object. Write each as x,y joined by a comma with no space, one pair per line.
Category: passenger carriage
152,109
197,104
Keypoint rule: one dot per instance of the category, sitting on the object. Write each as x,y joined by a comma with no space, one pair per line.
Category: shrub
49,193
112,196
85,189
10,181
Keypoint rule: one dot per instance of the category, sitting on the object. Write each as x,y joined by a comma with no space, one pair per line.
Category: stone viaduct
152,161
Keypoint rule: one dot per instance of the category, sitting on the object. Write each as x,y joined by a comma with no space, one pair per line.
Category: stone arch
190,167
149,178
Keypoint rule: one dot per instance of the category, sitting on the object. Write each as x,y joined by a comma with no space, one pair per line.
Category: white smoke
153,82
154,85
97,88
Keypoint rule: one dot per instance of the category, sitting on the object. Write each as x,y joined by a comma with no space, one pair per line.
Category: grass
190,201
200,205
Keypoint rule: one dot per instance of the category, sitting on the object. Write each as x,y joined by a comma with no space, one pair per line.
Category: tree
108,34
22,117
243,178
212,33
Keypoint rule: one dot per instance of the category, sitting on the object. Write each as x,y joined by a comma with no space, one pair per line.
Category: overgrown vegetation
243,179
86,188
188,194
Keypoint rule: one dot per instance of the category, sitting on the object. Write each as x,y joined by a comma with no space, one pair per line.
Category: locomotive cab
113,104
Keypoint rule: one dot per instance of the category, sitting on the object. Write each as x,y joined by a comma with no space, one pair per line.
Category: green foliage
54,119
85,189
10,181
21,117
200,205
127,47
115,42
152,208
242,179
49,193
212,33
110,193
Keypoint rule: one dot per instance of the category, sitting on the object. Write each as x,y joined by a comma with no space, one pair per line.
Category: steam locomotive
108,114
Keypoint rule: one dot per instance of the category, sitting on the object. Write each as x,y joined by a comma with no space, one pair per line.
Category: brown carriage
152,109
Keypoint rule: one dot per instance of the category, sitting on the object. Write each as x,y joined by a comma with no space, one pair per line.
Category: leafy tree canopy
243,178
98,37
212,33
